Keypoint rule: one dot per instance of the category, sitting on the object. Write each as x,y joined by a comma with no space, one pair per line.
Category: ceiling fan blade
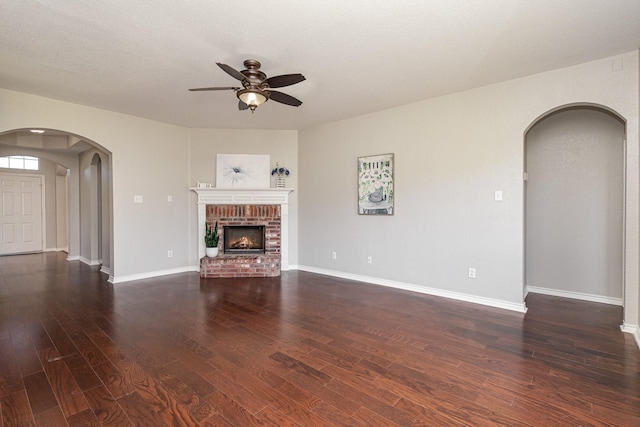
284,80
242,106
213,88
232,71
284,98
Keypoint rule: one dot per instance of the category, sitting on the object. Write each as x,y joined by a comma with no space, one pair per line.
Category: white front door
20,213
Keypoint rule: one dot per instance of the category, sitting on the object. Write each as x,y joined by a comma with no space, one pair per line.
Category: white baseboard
106,270
507,305
90,262
149,275
73,258
574,295
633,330
55,250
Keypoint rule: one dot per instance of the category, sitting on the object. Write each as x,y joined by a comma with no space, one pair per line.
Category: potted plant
211,240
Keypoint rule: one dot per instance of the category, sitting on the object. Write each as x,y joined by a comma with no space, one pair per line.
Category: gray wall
451,154
574,214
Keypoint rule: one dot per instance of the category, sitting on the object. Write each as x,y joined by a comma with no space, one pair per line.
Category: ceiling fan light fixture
252,97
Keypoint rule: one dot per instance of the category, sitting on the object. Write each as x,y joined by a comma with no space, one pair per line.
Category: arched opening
78,195
574,204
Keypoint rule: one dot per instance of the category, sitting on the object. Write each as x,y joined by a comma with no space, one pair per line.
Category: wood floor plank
335,416
146,408
82,372
193,380
10,375
85,346
51,417
64,386
389,412
362,379
114,381
272,417
299,366
106,409
41,396
298,350
267,386
60,339
85,418
28,361
195,405
232,411
16,411
337,400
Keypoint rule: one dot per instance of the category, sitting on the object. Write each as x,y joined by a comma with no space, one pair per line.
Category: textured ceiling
140,57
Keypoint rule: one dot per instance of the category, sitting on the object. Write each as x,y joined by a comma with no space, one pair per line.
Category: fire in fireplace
243,239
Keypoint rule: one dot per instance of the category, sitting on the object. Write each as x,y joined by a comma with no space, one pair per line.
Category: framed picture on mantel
243,171
375,185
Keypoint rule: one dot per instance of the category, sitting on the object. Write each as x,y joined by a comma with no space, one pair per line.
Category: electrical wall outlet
334,255
369,260
169,254
472,273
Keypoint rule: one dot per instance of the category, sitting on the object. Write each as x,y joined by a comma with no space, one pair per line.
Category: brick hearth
240,266
253,265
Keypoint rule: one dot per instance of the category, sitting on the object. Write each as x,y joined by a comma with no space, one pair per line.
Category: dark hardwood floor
300,350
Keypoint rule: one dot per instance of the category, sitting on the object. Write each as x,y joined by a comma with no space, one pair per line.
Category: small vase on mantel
280,172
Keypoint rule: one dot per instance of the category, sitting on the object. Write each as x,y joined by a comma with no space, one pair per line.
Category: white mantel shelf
246,196
243,196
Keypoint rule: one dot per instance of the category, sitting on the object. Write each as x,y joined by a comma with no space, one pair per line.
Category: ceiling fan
256,87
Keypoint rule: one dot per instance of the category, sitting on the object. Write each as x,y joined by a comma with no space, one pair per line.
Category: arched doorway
574,204
85,175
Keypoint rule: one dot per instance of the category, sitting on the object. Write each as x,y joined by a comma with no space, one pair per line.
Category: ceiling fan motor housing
253,73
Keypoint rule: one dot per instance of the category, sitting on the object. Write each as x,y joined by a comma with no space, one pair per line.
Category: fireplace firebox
244,239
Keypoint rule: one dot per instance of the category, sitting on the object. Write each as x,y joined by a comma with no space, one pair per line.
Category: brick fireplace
239,207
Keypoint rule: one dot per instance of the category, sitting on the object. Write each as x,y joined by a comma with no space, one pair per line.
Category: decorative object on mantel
280,172
243,171
204,185
375,185
211,240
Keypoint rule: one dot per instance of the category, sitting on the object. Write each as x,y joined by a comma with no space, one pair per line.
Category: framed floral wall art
375,185
243,171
